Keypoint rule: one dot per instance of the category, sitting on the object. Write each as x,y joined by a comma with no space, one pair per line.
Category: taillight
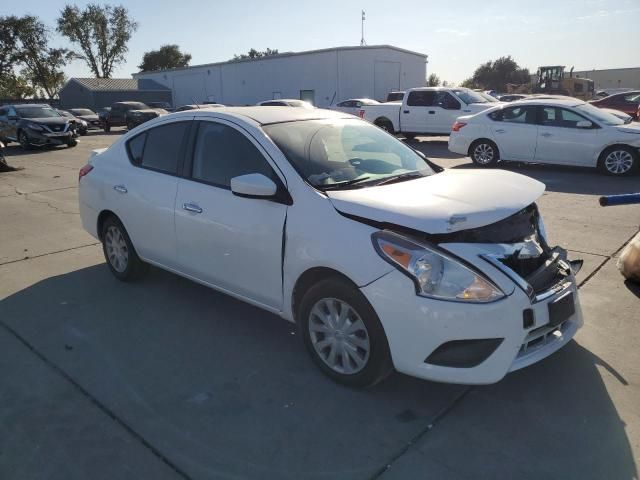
361,113
457,126
84,170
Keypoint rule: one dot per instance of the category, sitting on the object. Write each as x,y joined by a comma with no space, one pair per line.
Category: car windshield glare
37,112
346,151
469,96
599,115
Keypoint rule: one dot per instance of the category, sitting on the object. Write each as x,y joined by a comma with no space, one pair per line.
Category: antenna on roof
362,42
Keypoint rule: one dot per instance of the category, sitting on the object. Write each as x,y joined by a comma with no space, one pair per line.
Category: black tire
409,136
385,124
619,161
72,142
23,139
377,363
107,127
133,268
130,126
484,153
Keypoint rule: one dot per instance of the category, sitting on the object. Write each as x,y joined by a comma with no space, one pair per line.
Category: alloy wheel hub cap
483,153
339,336
619,161
117,251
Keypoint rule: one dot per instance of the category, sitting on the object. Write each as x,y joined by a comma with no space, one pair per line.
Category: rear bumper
459,144
417,327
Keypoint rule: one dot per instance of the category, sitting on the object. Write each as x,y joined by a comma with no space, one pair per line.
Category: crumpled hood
446,202
48,120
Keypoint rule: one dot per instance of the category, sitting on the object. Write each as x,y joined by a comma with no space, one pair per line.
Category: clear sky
457,35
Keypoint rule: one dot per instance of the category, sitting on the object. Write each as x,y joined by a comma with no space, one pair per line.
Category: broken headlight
435,274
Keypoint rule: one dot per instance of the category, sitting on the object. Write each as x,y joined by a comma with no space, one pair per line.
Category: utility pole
362,42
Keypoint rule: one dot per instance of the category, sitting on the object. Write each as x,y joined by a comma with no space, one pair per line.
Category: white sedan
382,260
560,131
353,105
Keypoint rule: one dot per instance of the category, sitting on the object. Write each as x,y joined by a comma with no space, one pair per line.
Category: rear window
421,98
159,148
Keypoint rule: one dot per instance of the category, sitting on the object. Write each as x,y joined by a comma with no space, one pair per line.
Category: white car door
447,109
418,114
515,132
232,242
560,141
143,194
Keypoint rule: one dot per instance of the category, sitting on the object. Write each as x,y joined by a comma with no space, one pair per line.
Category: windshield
488,98
469,96
328,153
599,115
82,111
37,112
135,106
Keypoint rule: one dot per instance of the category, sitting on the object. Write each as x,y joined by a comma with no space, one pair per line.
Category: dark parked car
164,105
81,125
129,114
89,116
36,125
626,102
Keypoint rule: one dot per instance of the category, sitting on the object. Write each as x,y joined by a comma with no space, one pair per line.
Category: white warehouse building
323,77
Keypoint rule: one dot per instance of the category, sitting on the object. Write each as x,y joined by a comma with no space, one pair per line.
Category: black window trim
181,152
594,124
282,192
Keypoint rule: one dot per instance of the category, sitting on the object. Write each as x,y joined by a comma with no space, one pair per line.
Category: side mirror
253,185
584,124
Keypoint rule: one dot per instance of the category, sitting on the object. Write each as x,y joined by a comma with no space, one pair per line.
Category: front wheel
119,253
385,125
24,141
343,334
619,161
107,127
484,153
72,142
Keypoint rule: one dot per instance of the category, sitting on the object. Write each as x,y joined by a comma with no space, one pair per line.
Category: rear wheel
343,334
409,136
130,125
385,124
72,142
484,153
119,253
619,160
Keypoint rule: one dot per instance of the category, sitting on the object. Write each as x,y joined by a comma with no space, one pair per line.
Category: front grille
541,337
56,127
543,272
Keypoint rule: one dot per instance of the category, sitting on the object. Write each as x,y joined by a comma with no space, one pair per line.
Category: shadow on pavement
224,389
633,287
221,388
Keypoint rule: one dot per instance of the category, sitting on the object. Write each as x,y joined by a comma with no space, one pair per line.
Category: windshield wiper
339,185
400,178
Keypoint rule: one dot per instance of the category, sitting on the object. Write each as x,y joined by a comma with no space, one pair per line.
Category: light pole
362,42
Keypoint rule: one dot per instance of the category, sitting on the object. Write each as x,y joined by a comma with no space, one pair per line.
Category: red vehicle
627,102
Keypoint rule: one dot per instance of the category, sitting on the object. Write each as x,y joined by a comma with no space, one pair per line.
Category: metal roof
266,115
118,84
287,54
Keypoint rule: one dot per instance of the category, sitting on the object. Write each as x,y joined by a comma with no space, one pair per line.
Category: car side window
519,114
222,153
3,114
570,119
560,117
421,98
159,148
549,117
446,101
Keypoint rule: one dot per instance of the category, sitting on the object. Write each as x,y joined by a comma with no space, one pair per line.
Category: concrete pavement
167,379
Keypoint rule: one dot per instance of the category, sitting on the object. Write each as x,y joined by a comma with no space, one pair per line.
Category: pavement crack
96,402
45,202
48,253
416,438
606,260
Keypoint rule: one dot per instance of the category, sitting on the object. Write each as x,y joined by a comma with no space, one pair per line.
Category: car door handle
500,130
120,188
405,111
545,134
432,112
192,207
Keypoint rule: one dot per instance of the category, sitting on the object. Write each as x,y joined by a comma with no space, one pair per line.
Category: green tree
253,53
168,56
101,32
433,80
495,75
9,44
42,66
468,83
15,86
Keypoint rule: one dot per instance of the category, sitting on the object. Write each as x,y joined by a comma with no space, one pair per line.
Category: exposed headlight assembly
436,275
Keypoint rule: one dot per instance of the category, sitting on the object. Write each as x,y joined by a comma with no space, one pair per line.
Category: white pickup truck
425,110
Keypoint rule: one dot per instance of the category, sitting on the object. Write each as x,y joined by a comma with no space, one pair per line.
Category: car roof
560,102
29,105
267,114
